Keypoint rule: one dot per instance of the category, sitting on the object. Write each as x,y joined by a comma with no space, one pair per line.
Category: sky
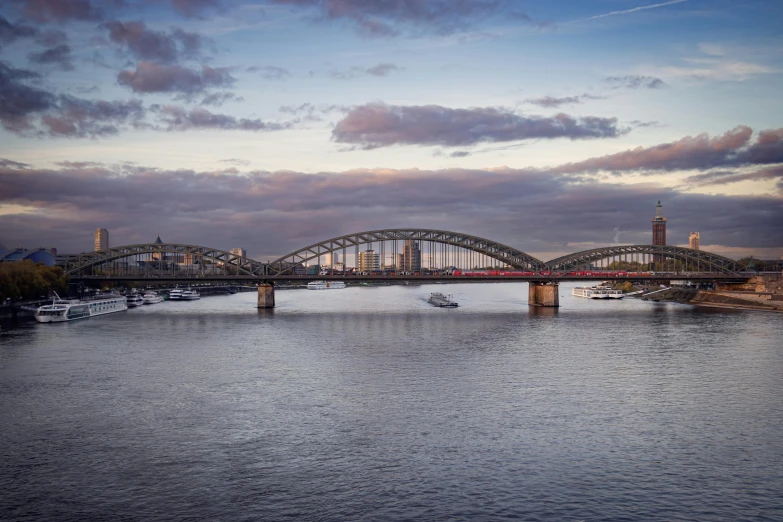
552,126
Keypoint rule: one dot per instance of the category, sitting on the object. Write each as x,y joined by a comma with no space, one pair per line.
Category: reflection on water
368,403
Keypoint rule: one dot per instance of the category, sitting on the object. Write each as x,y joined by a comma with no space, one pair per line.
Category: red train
584,273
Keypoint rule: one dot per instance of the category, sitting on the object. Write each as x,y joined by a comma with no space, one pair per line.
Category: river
369,404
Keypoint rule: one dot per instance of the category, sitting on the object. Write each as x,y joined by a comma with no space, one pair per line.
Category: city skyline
552,127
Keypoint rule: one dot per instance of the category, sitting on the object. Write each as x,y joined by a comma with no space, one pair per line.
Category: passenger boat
134,300
442,301
190,295
325,285
152,297
62,310
597,292
175,294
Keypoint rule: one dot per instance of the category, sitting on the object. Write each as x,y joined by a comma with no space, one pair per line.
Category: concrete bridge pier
544,294
266,296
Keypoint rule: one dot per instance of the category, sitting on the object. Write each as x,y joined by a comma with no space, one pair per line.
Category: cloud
7,163
153,77
284,211
383,18
382,69
193,8
146,44
629,11
19,101
727,177
270,72
553,102
219,98
180,119
10,32
62,10
380,125
78,118
59,56
636,82
701,152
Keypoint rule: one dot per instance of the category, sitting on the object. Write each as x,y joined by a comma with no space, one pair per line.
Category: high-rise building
658,231
411,257
369,261
332,259
241,252
693,241
101,240
659,226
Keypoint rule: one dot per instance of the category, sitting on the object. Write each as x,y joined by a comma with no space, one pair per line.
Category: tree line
28,280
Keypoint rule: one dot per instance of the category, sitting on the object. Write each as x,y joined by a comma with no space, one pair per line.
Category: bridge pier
266,296
544,294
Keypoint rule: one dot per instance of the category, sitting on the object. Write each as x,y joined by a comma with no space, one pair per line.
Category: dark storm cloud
176,118
733,148
153,77
382,69
270,72
380,125
281,211
146,44
380,18
10,32
554,102
18,100
636,82
63,10
59,56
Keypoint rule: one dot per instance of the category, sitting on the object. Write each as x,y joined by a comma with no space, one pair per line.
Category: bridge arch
699,259
492,249
75,264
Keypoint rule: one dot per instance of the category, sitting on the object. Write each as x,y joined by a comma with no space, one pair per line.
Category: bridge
400,255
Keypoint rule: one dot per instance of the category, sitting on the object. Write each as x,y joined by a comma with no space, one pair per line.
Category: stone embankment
759,293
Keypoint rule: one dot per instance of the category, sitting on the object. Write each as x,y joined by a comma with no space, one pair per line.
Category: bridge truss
434,245
664,256
159,259
439,250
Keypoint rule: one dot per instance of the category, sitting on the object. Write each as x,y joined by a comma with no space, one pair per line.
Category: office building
693,241
411,257
101,240
332,259
369,261
241,252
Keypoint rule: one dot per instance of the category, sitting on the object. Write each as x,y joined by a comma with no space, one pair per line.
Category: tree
28,280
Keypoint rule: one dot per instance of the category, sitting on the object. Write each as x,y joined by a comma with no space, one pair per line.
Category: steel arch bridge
242,265
698,259
498,251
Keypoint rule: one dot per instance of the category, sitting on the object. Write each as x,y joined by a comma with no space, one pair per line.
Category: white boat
442,301
175,295
62,310
325,285
71,309
597,292
152,297
190,295
134,300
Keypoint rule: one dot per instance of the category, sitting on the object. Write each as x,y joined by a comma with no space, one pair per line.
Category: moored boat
134,300
325,285
190,295
175,294
152,297
62,310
